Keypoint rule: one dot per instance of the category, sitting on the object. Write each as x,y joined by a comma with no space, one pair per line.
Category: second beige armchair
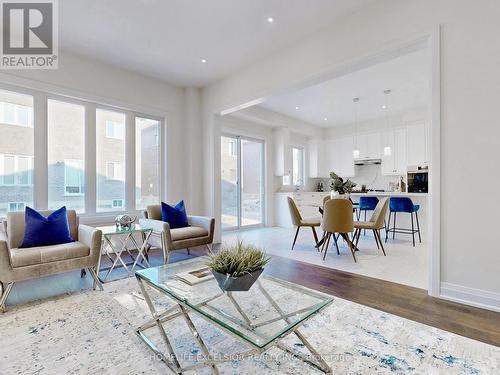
200,232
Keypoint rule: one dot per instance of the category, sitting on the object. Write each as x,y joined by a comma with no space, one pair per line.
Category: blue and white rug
93,332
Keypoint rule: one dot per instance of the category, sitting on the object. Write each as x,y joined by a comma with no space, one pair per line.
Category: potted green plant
237,267
339,187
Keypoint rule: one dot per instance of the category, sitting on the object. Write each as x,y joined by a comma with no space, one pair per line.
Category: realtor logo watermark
29,34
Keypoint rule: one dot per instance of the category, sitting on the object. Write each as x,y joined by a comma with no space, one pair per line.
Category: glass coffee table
259,318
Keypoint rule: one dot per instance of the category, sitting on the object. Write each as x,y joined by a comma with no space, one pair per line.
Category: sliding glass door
242,184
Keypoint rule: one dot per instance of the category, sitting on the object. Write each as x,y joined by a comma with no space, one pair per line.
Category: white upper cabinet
394,152
368,145
417,144
340,159
282,152
318,165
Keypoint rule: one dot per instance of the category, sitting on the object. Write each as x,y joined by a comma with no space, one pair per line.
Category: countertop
376,193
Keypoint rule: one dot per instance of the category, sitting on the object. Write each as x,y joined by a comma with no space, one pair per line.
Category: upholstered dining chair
375,224
299,222
337,218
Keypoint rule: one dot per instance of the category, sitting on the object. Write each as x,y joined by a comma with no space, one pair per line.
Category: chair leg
418,228
295,239
376,239
335,238
189,253
388,226
83,273
377,234
210,248
345,236
97,282
364,230
326,245
394,226
315,235
357,235
4,294
412,229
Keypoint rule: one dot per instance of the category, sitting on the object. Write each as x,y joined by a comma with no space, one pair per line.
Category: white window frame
114,125
39,162
16,169
16,108
81,163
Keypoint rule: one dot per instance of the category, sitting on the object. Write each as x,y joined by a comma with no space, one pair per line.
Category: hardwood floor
407,302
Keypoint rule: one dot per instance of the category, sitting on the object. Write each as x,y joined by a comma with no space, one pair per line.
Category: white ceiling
407,76
167,39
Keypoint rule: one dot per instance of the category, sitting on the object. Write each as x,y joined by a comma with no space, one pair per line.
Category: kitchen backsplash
369,175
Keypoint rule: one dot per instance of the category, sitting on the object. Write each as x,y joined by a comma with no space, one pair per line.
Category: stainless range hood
368,161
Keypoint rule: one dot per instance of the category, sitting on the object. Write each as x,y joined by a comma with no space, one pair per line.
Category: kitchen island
308,203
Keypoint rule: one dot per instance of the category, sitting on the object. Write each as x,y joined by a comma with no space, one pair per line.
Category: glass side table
126,242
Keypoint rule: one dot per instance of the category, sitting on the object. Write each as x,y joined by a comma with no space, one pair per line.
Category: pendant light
385,107
355,152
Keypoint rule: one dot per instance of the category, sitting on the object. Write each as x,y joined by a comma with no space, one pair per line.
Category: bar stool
366,204
403,204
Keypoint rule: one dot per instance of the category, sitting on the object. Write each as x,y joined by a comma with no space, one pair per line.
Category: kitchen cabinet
368,145
394,152
282,152
339,156
318,165
417,144
307,204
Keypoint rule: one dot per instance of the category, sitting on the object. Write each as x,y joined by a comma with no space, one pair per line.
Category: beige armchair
18,264
200,232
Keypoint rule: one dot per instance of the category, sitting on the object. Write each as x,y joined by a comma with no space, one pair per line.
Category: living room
126,130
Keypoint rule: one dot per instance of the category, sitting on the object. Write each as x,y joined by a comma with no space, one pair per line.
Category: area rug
93,332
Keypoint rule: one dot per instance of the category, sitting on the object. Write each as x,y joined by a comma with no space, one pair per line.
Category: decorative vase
237,284
337,195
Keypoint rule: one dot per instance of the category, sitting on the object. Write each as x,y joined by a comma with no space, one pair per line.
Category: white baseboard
470,296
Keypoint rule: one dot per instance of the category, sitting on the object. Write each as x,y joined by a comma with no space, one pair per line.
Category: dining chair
375,224
337,218
299,222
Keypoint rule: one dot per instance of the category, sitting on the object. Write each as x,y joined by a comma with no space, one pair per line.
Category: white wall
469,102
78,76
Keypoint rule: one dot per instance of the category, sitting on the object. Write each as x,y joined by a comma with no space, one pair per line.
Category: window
117,203
74,177
65,129
297,166
16,206
110,157
16,114
16,170
115,129
232,148
66,155
147,156
114,171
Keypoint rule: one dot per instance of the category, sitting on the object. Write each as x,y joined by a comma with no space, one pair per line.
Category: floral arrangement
338,184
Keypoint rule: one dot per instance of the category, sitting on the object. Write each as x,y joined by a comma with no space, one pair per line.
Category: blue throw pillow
175,216
44,231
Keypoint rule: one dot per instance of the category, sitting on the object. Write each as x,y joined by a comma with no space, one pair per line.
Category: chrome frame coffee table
110,249
207,301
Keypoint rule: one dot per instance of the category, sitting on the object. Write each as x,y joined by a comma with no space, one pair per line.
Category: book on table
195,276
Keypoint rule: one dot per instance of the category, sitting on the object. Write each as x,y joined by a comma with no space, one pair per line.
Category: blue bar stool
403,204
366,204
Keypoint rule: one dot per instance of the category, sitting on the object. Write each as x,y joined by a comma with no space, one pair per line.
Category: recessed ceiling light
203,61
270,19
297,107
384,107
325,118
